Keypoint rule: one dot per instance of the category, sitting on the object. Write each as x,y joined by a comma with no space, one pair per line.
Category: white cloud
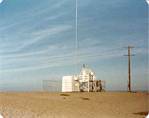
33,37
41,34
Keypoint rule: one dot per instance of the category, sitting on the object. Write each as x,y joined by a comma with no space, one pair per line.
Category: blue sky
37,41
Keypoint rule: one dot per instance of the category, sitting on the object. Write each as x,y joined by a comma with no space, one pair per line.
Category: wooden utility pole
129,67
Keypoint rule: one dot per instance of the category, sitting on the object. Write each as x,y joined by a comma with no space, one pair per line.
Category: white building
85,81
70,84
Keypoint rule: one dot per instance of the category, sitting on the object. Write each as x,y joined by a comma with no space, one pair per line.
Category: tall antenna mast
76,37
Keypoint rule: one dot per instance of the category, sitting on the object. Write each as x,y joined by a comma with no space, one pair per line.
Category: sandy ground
74,105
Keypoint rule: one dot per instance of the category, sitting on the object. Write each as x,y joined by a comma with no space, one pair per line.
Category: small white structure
86,78
84,82
70,83
86,74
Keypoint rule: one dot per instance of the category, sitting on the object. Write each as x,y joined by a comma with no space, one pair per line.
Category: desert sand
74,105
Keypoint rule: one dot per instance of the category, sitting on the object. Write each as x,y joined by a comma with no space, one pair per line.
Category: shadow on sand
145,113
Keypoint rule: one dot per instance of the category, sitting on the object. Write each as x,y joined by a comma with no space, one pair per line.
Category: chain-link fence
52,85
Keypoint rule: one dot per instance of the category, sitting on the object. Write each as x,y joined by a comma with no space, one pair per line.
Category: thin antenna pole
148,34
76,36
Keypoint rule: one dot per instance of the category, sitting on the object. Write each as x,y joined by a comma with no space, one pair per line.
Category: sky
38,42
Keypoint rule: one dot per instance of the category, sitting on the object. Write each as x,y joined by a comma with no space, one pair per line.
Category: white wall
67,84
